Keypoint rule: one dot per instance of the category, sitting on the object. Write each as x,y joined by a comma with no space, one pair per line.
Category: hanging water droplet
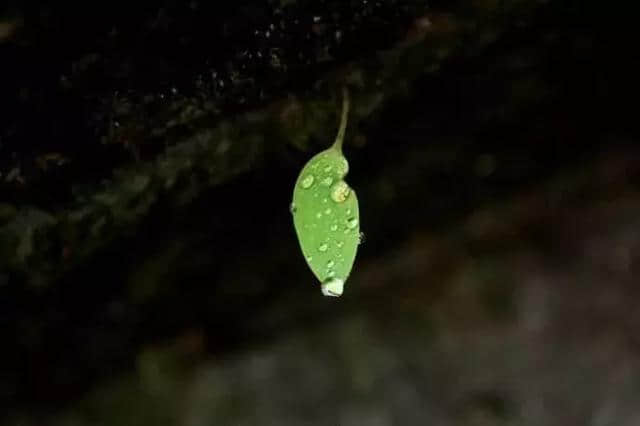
323,247
361,238
340,192
293,208
330,264
352,222
332,287
334,227
307,181
327,181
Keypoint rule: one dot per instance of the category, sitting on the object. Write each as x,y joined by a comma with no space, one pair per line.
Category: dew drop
330,264
293,208
307,181
318,215
340,192
361,238
340,244
334,227
328,169
332,287
344,167
327,211
352,222
323,247
327,181
309,258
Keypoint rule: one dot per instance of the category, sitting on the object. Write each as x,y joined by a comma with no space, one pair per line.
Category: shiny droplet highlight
307,181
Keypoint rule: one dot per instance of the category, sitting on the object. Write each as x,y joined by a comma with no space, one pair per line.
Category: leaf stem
337,145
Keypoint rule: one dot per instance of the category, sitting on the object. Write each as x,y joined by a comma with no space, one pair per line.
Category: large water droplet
323,247
352,222
340,192
344,167
307,181
332,287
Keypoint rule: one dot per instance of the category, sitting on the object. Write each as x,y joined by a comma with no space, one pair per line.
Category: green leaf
326,216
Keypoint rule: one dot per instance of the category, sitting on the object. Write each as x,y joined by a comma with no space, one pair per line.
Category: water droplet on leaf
323,247
307,181
340,192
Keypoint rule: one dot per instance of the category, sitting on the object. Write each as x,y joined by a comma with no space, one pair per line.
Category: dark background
149,270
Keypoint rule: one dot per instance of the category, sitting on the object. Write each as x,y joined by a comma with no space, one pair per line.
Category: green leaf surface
326,216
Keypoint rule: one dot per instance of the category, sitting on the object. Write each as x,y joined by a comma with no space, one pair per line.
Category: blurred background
149,269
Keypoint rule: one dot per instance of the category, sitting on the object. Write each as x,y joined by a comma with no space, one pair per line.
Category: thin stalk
337,145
